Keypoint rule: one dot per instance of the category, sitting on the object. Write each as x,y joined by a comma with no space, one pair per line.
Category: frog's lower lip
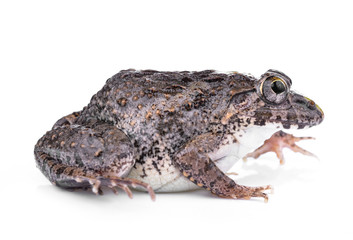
299,124
296,125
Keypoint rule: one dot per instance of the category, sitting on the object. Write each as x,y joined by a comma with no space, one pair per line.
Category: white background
55,55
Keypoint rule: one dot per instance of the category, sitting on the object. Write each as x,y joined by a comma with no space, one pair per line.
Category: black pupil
278,87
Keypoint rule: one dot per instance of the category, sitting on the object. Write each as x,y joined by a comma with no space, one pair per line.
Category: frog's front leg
276,143
195,164
90,156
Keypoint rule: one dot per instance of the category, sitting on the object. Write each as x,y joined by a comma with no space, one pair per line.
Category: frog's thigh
74,156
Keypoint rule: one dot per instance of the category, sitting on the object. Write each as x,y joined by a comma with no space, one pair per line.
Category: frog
174,131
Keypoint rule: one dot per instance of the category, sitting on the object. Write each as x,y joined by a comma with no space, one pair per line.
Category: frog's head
271,102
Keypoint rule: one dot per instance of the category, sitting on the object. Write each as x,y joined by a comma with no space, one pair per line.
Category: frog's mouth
304,112
297,112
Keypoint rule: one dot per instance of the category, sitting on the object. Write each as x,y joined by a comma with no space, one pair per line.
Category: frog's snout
308,110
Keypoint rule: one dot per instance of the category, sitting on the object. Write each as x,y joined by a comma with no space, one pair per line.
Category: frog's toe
83,182
245,192
115,183
276,143
232,173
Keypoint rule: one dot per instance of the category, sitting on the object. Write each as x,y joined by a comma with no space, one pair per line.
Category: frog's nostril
311,105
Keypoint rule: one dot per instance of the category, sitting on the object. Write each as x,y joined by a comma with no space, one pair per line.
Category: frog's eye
278,86
274,90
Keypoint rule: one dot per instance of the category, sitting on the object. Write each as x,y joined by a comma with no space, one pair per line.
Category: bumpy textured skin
162,121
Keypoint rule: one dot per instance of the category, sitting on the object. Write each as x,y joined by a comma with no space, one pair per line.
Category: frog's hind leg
195,164
276,143
88,157
76,178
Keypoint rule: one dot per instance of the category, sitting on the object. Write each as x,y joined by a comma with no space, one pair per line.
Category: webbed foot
276,143
245,192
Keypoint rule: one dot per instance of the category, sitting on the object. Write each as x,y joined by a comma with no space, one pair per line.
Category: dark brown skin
166,122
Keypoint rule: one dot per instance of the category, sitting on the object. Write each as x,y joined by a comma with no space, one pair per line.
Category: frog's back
135,95
166,79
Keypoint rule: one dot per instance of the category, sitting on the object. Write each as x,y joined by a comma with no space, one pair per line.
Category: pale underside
170,178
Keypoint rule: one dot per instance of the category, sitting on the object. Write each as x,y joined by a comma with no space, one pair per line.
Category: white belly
170,178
